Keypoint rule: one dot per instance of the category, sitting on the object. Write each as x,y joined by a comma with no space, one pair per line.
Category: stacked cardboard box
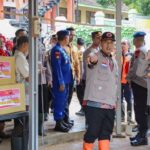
12,95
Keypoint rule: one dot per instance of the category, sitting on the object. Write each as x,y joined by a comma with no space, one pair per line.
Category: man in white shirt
22,66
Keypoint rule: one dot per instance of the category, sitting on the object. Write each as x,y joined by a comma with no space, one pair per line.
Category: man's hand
92,59
50,84
62,88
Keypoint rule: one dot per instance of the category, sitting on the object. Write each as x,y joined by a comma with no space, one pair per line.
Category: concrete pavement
116,144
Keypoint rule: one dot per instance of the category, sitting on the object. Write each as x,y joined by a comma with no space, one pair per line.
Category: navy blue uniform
61,71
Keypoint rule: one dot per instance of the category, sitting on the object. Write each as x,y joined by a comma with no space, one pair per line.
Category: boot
67,125
81,112
104,145
61,127
68,121
135,137
40,125
87,146
139,141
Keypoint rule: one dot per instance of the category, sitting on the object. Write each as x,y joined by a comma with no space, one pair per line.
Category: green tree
85,32
142,6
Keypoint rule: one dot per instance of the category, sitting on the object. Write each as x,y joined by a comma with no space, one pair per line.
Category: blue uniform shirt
61,67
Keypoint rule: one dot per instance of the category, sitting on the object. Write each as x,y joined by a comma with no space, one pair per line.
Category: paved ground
116,144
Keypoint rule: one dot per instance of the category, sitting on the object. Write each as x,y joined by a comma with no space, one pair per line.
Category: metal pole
118,47
33,59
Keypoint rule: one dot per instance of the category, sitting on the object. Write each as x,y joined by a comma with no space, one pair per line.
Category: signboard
12,98
7,70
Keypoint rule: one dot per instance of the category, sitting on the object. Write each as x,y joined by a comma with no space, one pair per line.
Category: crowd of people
93,73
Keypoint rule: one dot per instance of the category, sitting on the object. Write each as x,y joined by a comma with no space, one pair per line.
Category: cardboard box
12,98
7,70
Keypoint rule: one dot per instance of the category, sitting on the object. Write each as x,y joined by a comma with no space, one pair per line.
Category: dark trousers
80,91
43,99
126,93
71,89
140,105
100,123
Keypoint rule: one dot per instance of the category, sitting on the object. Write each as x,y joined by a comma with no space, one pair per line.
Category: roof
90,3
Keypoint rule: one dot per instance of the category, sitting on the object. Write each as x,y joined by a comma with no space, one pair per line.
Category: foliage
142,6
85,32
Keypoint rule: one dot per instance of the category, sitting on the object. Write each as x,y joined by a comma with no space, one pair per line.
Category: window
78,15
11,10
90,17
110,16
63,12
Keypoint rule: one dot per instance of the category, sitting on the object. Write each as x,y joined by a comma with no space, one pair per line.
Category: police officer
125,88
139,87
61,72
101,95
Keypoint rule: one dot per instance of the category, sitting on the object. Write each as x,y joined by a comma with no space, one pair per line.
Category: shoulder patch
57,55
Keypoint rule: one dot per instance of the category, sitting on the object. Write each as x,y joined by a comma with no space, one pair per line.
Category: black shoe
67,125
135,129
140,141
135,137
60,127
80,113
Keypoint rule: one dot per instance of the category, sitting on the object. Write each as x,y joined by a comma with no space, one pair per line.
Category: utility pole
33,75
119,54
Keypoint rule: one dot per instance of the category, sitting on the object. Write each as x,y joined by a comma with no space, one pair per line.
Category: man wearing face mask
139,88
100,94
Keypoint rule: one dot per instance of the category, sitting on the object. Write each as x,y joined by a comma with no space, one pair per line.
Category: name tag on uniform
104,65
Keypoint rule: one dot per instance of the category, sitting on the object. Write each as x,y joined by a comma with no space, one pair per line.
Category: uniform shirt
85,54
61,67
132,77
102,81
74,58
22,67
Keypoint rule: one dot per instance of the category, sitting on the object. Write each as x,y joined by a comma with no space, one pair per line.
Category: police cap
108,36
139,34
